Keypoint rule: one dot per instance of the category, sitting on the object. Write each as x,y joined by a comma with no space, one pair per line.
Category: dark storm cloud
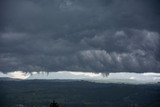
80,35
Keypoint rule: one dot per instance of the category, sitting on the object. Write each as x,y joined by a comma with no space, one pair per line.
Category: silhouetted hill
41,93
7,79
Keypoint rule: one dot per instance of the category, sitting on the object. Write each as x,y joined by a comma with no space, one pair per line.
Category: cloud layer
92,35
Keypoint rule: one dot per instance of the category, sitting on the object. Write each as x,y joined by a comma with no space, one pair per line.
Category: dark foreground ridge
41,93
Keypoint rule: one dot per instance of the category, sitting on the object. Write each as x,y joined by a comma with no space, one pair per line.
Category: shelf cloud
86,35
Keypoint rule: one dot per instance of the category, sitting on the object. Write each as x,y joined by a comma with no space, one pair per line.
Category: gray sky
80,35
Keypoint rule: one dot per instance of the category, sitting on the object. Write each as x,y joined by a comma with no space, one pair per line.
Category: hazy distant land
72,93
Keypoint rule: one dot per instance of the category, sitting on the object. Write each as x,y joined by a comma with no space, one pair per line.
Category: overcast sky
80,35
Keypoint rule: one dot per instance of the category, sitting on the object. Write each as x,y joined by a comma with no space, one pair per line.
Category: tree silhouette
54,104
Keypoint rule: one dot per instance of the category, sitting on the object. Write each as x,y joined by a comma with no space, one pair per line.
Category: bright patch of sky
122,77
16,75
